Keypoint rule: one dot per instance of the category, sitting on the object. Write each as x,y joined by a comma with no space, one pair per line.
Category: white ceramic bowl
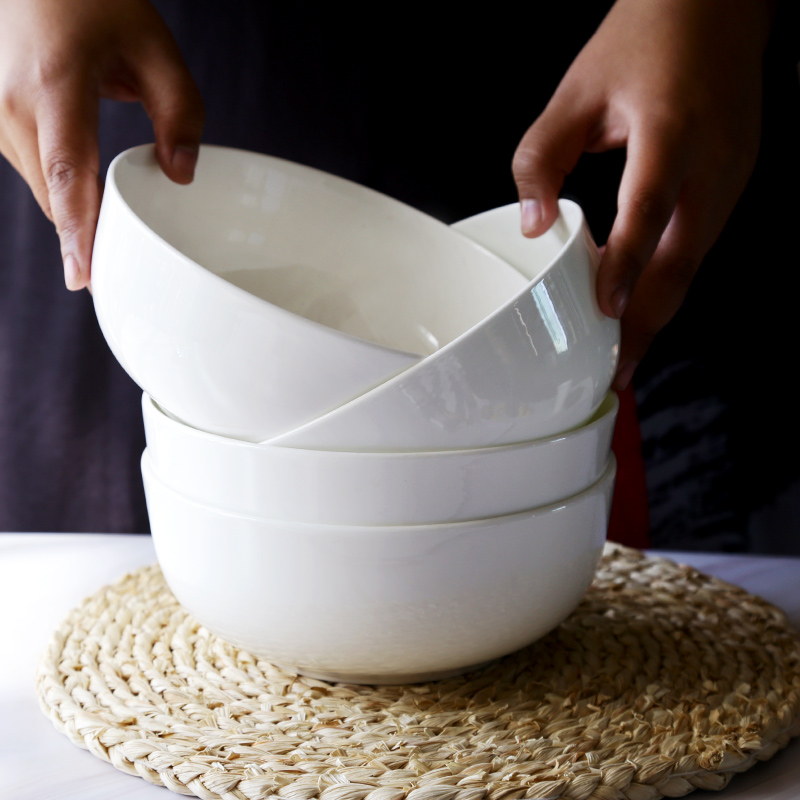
378,605
330,487
540,364
267,293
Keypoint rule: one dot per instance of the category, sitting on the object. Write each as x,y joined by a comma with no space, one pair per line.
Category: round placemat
662,681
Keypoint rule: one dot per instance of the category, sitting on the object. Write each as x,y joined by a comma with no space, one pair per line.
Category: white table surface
43,576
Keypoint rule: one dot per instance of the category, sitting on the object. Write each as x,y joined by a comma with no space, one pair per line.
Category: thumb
548,152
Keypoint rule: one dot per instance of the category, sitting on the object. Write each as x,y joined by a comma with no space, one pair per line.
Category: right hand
678,83
57,59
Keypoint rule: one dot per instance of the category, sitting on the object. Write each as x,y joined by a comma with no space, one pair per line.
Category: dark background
430,112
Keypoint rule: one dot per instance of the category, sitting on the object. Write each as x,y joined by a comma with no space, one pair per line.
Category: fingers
175,106
18,143
53,69
663,285
547,153
68,149
655,169
68,170
24,156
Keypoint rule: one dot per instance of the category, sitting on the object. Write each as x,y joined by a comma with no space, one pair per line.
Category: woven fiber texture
664,680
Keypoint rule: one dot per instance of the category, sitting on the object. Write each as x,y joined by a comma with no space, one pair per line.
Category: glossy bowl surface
379,604
331,487
267,293
540,364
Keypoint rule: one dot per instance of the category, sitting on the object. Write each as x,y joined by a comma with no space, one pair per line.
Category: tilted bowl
332,487
267,293
538,365
390,604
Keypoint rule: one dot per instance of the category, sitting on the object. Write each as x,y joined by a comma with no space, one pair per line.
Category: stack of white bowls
378,447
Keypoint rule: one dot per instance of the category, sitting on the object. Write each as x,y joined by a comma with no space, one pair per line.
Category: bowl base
394,679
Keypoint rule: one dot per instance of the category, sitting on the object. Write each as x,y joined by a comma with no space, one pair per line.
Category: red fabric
629,523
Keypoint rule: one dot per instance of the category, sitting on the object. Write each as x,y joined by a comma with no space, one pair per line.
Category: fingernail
619,301
184,159
72,272
624,375
531,216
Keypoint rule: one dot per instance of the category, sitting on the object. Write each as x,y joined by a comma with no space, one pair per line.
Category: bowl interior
498,230
321,247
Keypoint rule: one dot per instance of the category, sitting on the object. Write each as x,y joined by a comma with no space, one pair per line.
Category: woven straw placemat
663,680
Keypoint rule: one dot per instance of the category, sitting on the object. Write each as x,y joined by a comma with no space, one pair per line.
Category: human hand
57,59
677,82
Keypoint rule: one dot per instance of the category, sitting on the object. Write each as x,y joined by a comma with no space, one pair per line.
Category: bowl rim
608,409
563,203
259,303
600,485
